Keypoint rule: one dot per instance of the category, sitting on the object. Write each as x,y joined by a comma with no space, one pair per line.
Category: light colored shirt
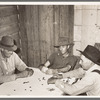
8,66
90,84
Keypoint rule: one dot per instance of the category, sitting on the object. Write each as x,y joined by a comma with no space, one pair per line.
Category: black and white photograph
50,49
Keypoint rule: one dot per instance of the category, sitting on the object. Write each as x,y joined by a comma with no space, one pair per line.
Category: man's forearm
77,73
82,86
22,74
7,78
65,69
21,67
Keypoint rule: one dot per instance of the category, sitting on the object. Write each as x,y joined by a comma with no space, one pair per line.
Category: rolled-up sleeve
84,85
20,65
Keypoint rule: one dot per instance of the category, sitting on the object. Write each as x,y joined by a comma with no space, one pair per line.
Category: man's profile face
63,49
85,62
7,53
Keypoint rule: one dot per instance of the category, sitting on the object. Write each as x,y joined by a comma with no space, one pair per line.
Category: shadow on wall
18,51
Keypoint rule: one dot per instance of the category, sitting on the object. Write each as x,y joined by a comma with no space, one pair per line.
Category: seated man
61,61
9,61
89,75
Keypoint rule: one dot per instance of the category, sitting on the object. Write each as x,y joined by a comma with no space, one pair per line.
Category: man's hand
59,76
52,80
59,84
52,71
41,66
44,69
30,72
27,72
22,74
49,72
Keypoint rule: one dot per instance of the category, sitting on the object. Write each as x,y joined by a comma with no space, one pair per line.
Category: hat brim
87,56
13,48
57,46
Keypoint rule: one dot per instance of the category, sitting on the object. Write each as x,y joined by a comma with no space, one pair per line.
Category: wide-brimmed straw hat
7,42
62,42
92,54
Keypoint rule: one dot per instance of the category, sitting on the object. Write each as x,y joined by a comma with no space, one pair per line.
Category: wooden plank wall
40,28
9,24
46,31
23,33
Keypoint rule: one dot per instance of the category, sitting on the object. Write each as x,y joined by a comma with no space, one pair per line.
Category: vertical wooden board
52,39
36,37
30,35
64,21
36,54
42,31
89,17
23,35
49,30
56,24
70,23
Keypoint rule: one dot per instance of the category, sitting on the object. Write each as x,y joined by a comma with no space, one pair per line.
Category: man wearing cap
61,61
89,75
9,61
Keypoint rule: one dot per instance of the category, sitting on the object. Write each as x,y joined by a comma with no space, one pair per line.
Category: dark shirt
57,61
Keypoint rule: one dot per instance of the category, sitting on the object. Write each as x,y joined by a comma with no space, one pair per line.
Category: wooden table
34,86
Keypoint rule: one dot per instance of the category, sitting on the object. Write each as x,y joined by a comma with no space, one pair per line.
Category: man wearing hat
62,60
89,75
9,61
